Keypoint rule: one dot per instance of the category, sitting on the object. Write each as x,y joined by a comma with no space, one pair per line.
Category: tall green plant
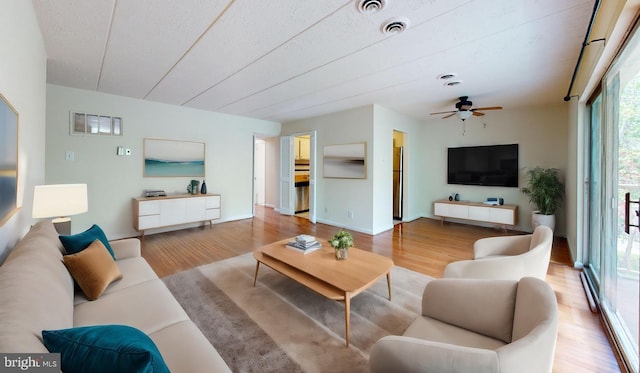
545,190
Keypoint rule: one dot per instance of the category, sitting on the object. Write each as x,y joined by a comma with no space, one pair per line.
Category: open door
286,176
312,177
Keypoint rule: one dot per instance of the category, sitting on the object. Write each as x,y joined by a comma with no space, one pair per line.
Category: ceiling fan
464,109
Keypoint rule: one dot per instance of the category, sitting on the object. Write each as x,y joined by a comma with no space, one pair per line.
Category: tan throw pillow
93,269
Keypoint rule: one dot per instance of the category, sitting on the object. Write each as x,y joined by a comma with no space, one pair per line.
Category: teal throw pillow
77,242
104,348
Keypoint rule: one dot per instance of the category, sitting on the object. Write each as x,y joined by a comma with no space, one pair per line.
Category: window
613,169
93,124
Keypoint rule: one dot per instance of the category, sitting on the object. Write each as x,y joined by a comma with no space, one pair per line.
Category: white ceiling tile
288,59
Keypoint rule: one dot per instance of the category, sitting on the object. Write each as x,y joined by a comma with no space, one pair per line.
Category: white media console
157,212
504,215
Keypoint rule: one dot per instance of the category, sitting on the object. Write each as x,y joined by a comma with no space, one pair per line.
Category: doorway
398,175
301,171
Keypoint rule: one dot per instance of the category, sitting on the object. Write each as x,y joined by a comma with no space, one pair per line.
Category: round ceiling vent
371,6
395,25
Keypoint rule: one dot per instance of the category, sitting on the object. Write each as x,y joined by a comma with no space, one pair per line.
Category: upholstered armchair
470,325
507,257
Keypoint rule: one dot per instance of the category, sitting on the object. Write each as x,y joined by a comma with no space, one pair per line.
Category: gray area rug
281,326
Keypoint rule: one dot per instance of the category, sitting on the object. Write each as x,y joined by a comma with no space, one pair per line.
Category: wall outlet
69,155
350,214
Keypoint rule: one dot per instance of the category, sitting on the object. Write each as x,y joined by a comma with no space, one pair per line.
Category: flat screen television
491,165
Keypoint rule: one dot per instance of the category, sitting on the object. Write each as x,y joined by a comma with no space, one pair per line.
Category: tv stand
504,215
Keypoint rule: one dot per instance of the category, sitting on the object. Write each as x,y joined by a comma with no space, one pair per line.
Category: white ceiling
282,60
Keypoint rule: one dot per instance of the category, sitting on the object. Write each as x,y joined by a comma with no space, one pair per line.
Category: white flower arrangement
341,240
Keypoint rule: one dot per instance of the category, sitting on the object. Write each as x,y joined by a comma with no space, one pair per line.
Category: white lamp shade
464,114
59,200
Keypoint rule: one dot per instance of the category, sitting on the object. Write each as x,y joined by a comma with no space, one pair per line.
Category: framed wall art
8,160
172,158
347,161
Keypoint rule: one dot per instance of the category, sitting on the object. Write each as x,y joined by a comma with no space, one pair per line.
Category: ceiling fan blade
450,115
477,114
488,108
445,112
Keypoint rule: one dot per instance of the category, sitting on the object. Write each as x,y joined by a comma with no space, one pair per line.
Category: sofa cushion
36,291
105,348
93,269
185,349
134,271
148,306
78,242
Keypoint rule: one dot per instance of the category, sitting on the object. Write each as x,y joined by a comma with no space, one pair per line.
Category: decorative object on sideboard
545,192
60,201
341,242
8,160
193,187
203,188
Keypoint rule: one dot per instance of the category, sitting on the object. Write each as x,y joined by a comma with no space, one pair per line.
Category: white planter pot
539,219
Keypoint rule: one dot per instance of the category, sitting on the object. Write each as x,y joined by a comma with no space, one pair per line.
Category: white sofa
476,326
37,293
507,257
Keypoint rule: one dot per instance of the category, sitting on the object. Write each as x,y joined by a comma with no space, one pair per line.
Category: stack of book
304,243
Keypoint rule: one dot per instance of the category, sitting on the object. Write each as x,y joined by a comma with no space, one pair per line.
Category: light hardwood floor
422,245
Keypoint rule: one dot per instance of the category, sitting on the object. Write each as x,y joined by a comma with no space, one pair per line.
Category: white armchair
470,325
507,257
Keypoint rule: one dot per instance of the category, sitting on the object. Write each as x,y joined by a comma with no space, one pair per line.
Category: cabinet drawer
213,214
148,208
148,221
213,202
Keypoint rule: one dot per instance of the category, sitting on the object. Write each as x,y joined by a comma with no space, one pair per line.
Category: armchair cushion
449,300
507,257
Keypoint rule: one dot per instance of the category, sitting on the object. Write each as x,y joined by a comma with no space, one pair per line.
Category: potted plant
341,242
545,191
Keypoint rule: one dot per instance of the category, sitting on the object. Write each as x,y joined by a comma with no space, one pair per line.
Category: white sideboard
504,215
158,212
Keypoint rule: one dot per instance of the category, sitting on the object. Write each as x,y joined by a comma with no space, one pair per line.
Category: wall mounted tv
492,165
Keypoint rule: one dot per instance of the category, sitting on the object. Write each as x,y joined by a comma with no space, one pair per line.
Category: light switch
69,155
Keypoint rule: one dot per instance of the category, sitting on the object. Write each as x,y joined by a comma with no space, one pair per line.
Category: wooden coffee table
319,271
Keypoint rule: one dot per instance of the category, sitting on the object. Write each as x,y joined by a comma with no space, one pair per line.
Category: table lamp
60,201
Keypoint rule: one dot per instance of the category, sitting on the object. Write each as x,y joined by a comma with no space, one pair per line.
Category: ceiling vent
371,6
453,83
395,25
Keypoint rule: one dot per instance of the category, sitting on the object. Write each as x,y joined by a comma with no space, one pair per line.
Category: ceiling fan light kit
464,109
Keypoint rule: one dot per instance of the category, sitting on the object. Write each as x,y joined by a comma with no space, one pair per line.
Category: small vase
342,254
203,189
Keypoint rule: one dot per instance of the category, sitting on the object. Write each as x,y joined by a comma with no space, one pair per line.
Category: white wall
22,82
541,133
114,180
336,197
386,121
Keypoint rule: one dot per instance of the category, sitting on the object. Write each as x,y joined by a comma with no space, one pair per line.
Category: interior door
286,176
312,177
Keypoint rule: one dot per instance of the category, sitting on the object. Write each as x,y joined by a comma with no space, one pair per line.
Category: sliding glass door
613,235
